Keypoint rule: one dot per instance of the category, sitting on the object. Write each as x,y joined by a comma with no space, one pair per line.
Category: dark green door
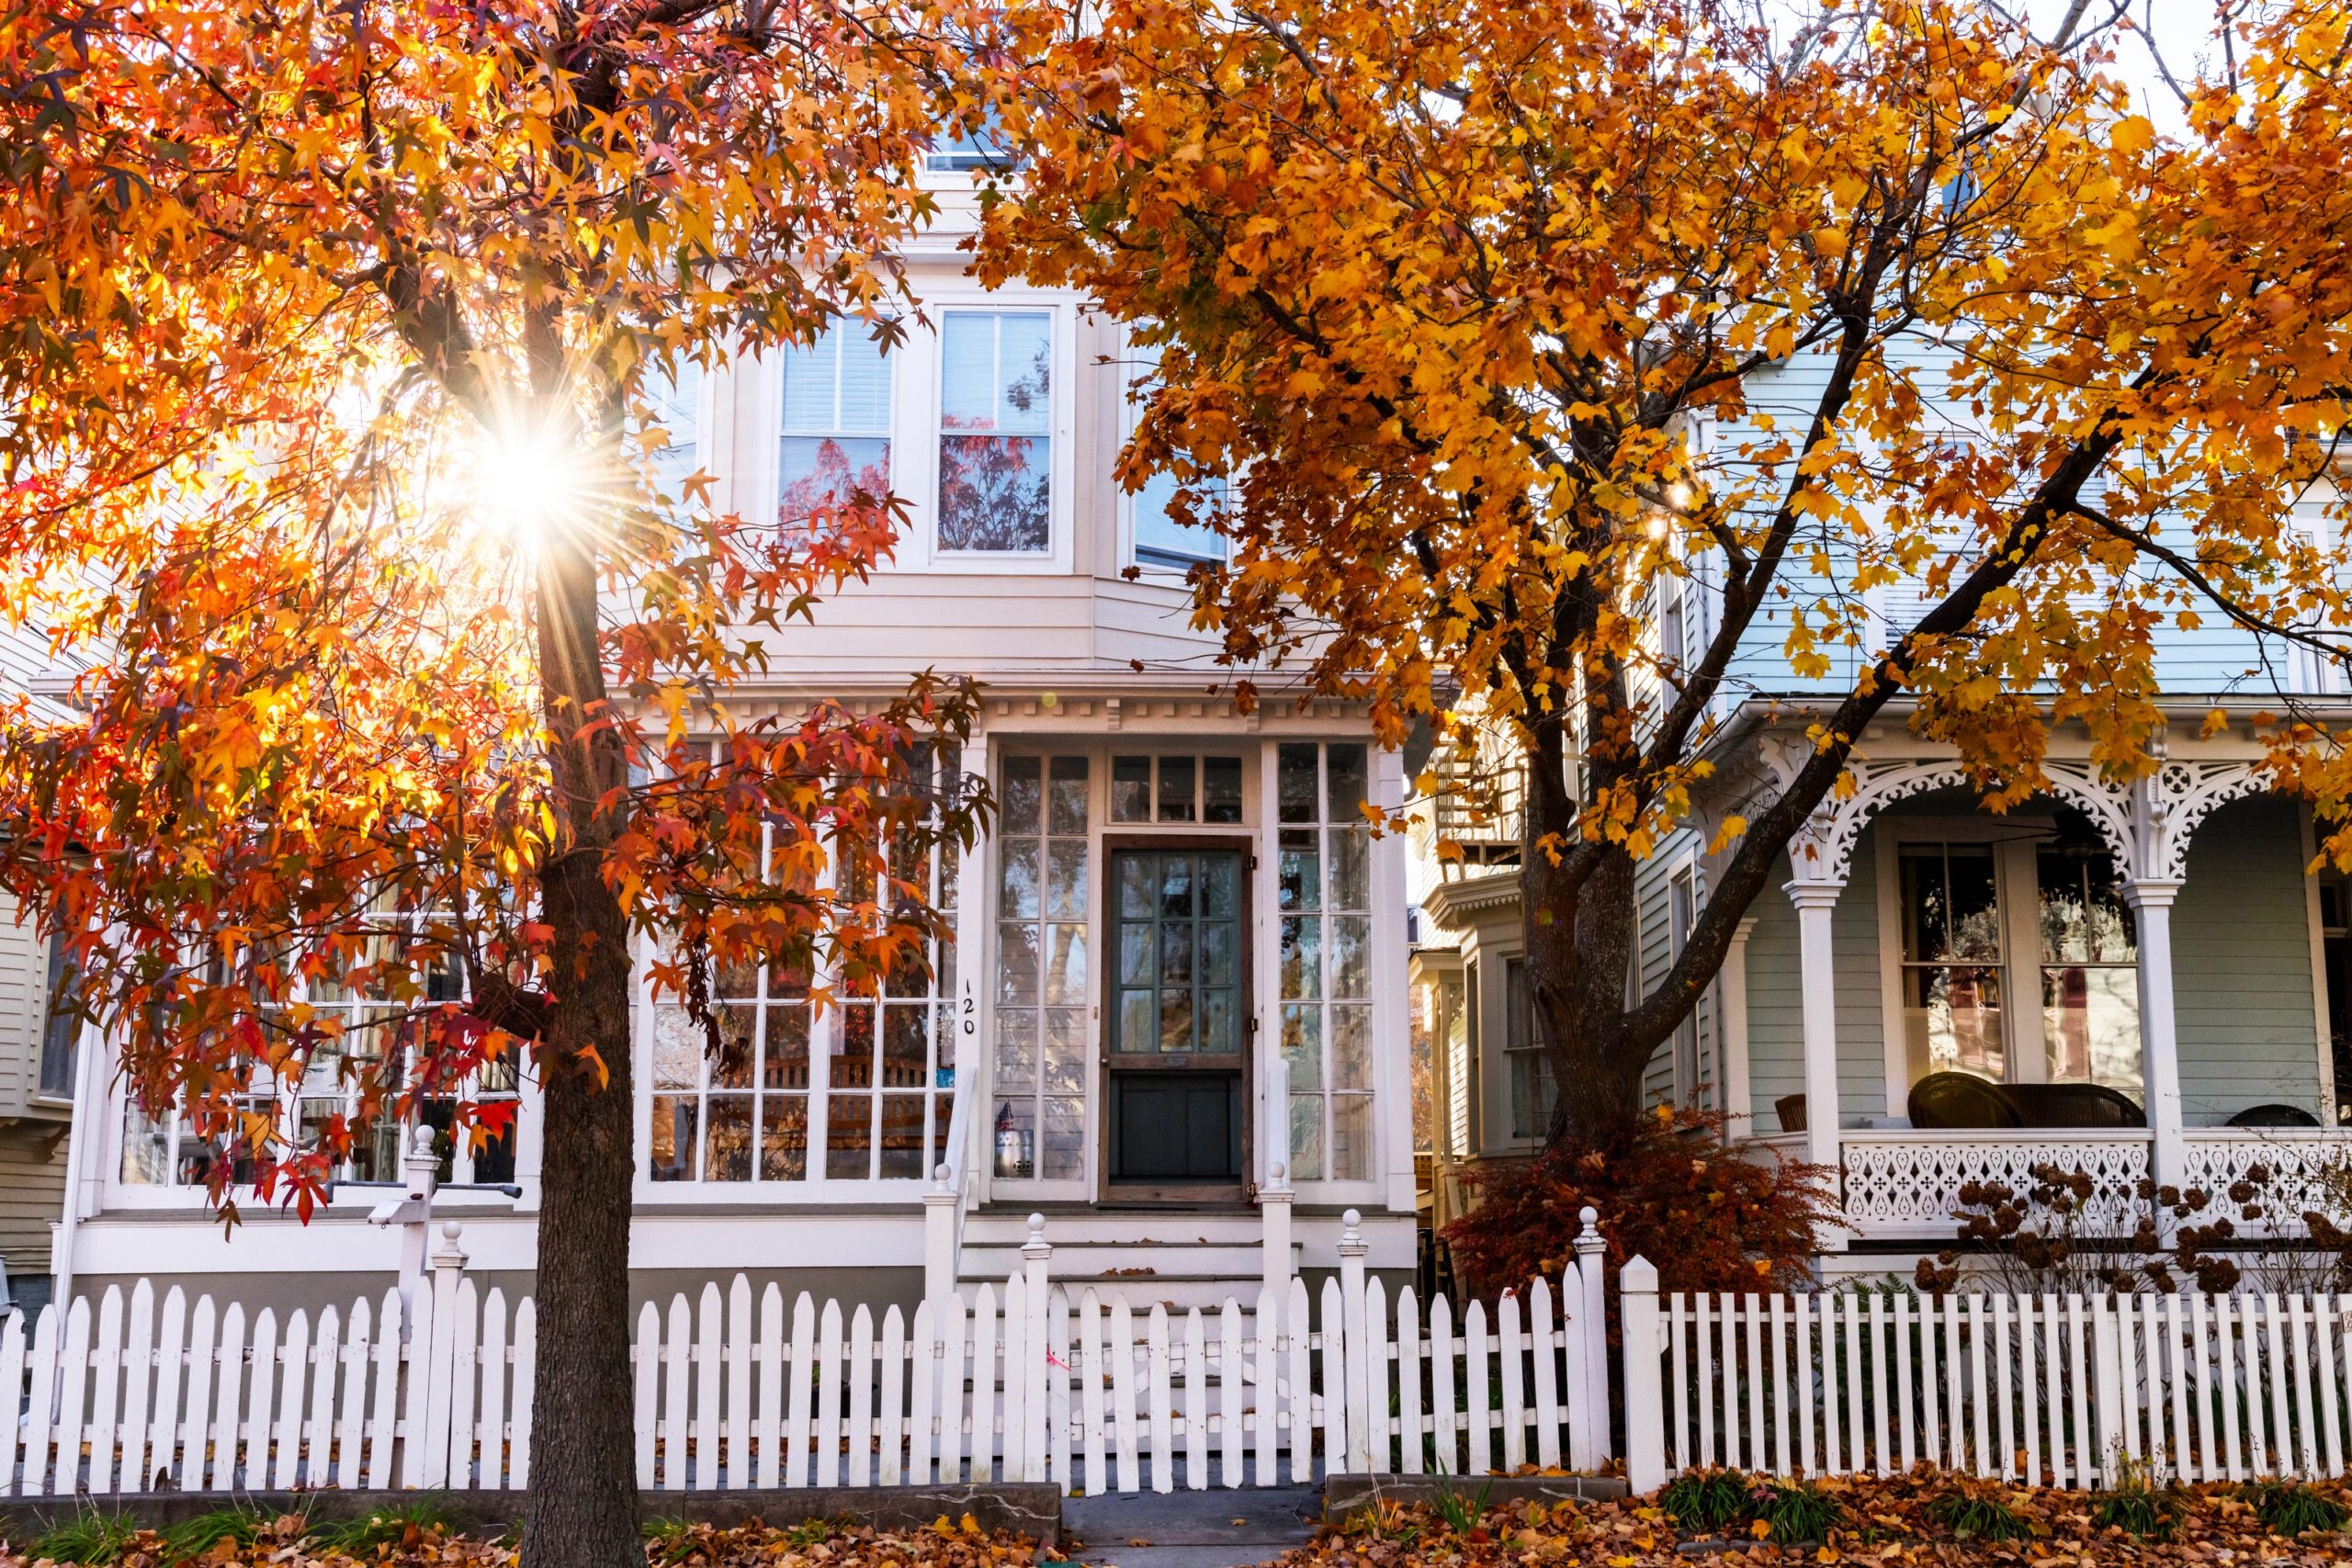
1177,1023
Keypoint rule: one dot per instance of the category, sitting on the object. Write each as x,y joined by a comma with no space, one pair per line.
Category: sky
2182,29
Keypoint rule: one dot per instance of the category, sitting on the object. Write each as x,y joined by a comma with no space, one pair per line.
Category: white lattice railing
1907,1183
2215,1159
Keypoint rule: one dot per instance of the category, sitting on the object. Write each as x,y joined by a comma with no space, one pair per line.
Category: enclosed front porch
2138,984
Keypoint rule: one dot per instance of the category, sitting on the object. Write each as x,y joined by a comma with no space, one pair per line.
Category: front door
1175,1054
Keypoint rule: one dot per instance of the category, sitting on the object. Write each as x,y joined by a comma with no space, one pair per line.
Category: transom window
1176,789
996,432
836,426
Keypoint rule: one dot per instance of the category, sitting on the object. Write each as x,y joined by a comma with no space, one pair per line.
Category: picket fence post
1353,1385
1036,1253
1644,1419
1273,1219
1590,1437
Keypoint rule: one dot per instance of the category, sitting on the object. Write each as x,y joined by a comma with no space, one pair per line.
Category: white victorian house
1178,979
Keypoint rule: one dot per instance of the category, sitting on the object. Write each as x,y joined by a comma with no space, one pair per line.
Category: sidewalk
1192,1530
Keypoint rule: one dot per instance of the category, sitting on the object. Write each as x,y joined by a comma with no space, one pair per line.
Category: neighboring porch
2138,984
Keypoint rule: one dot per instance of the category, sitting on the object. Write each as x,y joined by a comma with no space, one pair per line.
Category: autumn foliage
1955,384
1672,1192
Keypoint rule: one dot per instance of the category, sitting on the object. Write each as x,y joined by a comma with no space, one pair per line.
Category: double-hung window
1990,929
835,443
996,416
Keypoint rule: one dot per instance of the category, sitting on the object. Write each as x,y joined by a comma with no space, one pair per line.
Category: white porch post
2151,899
1814,901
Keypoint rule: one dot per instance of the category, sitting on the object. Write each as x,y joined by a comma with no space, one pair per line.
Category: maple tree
338,459
1508,319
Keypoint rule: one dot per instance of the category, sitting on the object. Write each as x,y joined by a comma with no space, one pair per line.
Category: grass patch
191,1539
1459,1510
394,1527
1708,1500
93,1537
2293,1509
1978,1510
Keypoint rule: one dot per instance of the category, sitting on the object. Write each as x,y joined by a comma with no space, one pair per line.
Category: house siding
2241,966
1776,998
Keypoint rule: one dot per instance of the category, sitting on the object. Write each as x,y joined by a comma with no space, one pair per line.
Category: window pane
1294,781
1175,789
849,1136
1306,1137
1065,1063
1065,1142
1303,1048
1066,796
673,1154
812,381
1352,1047
1298,882
995,493
1016,1138
902,1136
729,1156
1952,1021
1130,789
1016,1052
1350,868
1349,790
783,1137
1351,1137
1302,959
1220,789
146,1148
1018,812
1162,537
2090,1026
829,471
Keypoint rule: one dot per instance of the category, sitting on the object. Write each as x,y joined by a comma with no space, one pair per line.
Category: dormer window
996,432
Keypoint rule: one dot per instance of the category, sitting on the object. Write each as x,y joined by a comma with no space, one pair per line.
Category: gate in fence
2051,1390
734,1392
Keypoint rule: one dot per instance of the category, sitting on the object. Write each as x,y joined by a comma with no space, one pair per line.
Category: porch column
1814,901
2151,899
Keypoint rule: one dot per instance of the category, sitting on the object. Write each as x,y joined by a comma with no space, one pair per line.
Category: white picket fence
1022,1384
2057,1391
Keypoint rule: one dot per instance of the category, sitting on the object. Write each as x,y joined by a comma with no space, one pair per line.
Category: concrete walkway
1192,1530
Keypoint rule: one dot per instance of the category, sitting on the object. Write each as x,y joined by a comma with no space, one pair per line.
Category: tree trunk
582,1511
1577,940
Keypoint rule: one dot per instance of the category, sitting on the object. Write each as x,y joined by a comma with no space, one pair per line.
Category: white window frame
918,480
897,360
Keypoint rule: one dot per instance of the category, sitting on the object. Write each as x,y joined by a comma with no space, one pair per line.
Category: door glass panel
1180,950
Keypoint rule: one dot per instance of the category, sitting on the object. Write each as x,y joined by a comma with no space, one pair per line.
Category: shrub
1669,1189
1978,1510
2293,1509
1707,1500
